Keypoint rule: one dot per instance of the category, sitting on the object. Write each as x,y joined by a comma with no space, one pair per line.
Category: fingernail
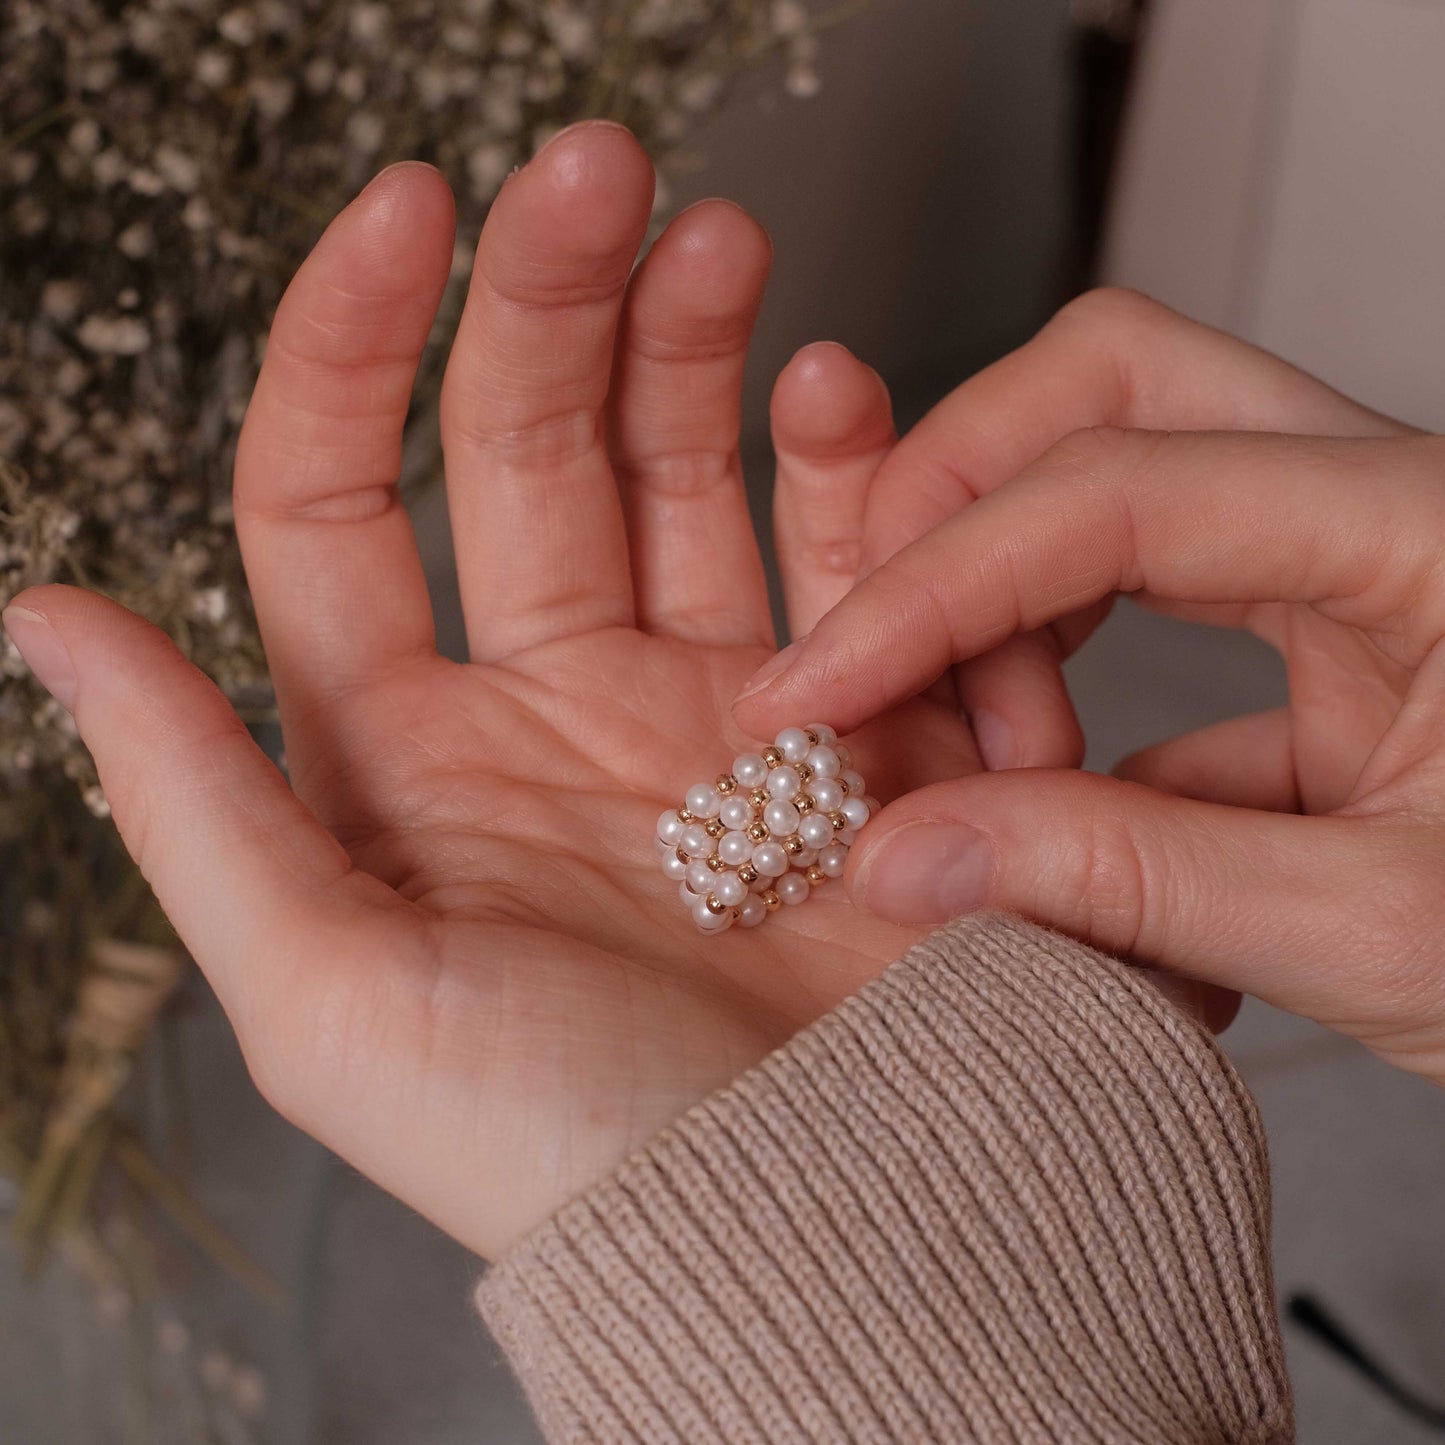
595,124
773,669
926,873
44,653
996,741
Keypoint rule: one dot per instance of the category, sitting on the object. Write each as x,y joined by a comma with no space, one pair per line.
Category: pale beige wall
1284,177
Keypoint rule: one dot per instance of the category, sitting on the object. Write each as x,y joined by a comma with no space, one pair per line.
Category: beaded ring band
768,832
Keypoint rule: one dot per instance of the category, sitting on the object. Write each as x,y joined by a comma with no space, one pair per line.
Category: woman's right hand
1215,483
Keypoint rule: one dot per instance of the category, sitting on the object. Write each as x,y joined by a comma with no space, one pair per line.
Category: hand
450,954
1129,451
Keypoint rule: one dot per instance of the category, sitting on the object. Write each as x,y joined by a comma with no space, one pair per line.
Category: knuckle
519,431
1105,454
1110,309
830,554
680,472
1112,895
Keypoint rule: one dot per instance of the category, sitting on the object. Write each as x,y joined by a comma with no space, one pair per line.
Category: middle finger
540,543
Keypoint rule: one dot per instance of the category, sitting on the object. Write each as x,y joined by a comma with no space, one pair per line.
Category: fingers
541,546
1326,917
832,423
329,551
1348,526
673,420
1110,358
1246,762
256,888
1018,706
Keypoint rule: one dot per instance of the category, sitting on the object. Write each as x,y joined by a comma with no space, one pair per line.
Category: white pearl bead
781,818
792,888
873,804
709,921
855,810
794,744
754,911
847,837
669,827
833,859
699,877
729,888
735,848
770,860
750,770
703,800
845,755
854,781
826,735
674,868
815,830
824,762
827,794
784,783
695,841
735,812
687,895
806,858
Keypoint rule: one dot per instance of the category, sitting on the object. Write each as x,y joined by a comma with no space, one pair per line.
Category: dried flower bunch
164,167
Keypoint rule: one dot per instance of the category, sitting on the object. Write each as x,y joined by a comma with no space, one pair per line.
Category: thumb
1288,908
252,882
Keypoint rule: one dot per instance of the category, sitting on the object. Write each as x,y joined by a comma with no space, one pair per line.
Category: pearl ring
768,832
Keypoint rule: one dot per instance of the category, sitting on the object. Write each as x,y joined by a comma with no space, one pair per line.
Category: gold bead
770,899
815,875
803,803
726,784
714,827
759,797
714,906
773,756
813,738
716,863
748,874
793,845
757,832
805,772
685,815
842,785
683,856
838,821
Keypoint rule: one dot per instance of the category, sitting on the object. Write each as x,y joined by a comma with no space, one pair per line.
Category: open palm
450,953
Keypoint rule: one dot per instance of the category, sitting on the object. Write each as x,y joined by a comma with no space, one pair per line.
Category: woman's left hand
450,953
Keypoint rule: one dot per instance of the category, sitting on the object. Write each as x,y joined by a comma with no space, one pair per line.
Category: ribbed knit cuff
1005,1192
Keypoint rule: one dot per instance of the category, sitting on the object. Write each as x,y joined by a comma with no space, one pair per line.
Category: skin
1296,854
446,946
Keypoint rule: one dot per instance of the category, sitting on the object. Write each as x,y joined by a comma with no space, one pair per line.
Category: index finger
1349,526
1111,357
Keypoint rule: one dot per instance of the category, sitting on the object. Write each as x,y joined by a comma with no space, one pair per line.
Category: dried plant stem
148,1176
120,997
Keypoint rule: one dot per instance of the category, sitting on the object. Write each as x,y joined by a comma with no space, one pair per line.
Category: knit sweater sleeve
1004,1193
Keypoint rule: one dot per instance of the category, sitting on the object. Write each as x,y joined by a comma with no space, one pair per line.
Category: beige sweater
1005,1193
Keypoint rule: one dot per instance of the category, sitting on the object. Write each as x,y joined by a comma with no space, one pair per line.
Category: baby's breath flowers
165,165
